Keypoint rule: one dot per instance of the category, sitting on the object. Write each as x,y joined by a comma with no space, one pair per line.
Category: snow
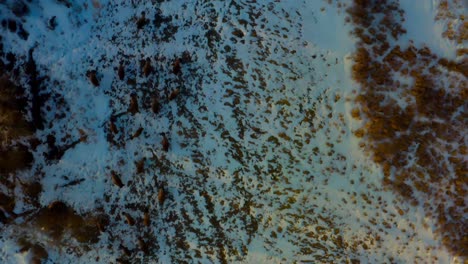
420,14
323,28
300,185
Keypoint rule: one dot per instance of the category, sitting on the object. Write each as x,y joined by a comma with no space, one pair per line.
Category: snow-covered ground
262,167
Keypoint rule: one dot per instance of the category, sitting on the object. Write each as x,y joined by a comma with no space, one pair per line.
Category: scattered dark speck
20,9
142,21
12,25
23,34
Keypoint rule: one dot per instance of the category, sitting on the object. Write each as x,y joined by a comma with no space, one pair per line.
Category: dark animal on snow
133,107
113,127
121,72
140,166
142,244
147,68
92,78
161,196
129,219
125,250
173,94
146,219
155,105
116,179
165,143
176,67
137,133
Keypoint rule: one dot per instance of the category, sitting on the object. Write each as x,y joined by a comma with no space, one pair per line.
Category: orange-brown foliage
426,125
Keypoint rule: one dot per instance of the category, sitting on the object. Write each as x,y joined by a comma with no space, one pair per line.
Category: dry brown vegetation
453,12
12,122
13,155
57,221
419,144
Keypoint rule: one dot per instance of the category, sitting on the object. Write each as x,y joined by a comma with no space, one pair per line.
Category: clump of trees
419,142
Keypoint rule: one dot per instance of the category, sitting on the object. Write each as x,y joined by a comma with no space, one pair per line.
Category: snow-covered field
262,164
